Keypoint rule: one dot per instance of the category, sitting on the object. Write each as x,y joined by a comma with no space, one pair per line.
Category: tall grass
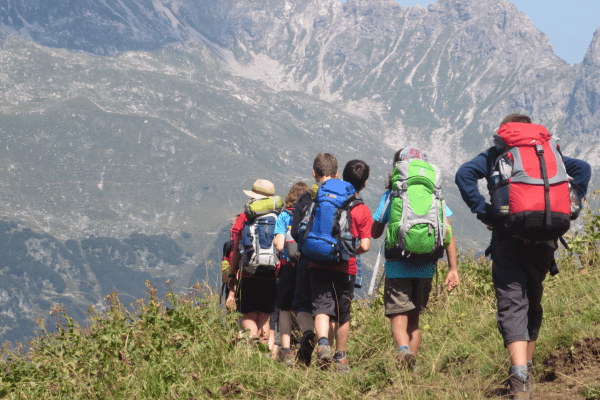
181,347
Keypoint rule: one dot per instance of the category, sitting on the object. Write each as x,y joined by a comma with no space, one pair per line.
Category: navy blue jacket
481,167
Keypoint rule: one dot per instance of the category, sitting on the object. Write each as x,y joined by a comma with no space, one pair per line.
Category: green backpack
417,228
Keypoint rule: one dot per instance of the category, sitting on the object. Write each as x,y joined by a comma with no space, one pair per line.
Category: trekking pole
375,272
437,292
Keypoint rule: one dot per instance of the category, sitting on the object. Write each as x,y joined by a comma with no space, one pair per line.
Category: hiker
226,260
325,167
535,191
409,270
335,229
287,272
255,255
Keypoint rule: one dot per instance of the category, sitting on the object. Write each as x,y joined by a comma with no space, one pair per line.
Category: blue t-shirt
403,268
284,221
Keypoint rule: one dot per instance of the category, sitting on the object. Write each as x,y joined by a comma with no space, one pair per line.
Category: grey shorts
403,295
518,272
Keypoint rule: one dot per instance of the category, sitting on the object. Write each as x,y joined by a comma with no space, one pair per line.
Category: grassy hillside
181,347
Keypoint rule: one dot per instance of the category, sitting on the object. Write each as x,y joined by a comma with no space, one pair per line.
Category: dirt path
572,374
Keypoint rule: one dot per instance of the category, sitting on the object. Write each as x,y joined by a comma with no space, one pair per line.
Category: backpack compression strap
539,150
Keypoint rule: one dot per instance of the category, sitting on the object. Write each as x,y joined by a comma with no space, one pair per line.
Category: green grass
181,347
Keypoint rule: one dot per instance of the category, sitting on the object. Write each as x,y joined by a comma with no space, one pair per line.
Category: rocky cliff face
583,118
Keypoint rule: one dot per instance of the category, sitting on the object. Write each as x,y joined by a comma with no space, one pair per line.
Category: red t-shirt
361,229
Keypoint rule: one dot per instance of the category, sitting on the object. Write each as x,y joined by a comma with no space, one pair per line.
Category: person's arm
580,171
279,242
381,216
466,179
452,279
362,220
377,229
364,246
234,275
235,263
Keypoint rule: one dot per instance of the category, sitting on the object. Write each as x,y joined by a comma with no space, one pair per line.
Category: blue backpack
325,229
259,256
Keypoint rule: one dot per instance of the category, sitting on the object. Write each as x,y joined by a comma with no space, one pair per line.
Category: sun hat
262,188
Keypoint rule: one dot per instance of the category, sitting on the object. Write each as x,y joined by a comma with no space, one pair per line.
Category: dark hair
325,164
356,172
294,193
388,183
516,118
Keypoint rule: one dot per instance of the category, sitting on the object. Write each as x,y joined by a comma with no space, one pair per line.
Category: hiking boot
518,386
307,345
407,359
324,357
341,365
285,357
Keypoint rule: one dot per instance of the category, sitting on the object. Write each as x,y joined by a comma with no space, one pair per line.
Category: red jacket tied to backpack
529,186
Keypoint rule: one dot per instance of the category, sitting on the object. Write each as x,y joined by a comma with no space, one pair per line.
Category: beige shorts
402,295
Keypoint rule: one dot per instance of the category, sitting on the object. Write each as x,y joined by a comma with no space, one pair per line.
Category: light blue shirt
403,268
284,220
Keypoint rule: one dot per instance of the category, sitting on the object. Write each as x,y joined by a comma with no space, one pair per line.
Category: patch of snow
161,8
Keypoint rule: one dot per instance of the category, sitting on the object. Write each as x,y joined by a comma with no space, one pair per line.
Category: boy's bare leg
405,329
322,325
341,336
249,323
263,323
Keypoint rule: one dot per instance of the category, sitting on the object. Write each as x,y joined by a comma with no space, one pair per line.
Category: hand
490,227
230,302
452,280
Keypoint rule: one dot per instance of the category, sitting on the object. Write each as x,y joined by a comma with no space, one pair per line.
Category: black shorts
286,287
518,272
302,293
257,294
332,293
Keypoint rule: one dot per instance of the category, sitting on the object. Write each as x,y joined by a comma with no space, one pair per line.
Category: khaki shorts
403,295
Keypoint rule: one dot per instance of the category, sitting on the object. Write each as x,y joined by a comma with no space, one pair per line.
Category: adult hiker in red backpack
534,192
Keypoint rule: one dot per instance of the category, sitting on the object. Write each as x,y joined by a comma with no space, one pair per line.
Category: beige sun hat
262,188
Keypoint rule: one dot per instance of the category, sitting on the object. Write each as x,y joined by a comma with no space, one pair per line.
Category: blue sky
569,25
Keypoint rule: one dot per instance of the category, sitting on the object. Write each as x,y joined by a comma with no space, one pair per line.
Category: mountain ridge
135,117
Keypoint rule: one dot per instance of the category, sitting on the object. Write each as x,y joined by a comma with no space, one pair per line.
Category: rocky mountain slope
128,128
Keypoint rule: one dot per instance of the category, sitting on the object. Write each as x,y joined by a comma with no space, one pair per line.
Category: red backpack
529,187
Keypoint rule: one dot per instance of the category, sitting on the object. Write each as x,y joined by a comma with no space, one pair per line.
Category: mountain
128,128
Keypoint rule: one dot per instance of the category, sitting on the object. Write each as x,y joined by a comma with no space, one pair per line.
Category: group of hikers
300,254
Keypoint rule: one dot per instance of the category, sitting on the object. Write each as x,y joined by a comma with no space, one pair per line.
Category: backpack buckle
539,149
